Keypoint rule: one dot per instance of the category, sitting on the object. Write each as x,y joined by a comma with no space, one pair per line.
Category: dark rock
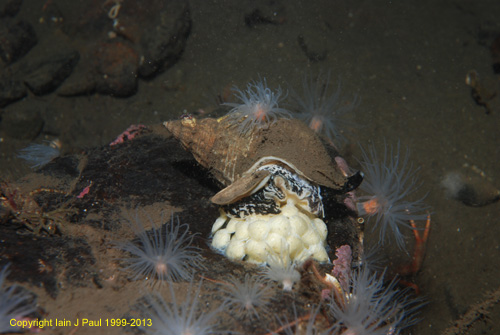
82,81
37,260
117,68
265,12
50,72
11,90
23,124
9,7
42,70
163,45
16,39
110,68
139,43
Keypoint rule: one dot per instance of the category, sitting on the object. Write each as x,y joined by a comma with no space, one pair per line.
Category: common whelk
271,203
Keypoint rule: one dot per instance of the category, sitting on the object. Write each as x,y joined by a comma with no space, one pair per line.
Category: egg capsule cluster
254,237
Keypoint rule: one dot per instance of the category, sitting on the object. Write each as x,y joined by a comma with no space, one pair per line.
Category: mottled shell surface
233,157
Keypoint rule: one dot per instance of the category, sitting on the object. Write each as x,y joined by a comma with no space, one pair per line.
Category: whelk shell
234,158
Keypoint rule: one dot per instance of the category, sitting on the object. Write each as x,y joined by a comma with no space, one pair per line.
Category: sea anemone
281,270
370,308
162,254
248,297
388,182
38,155
172,319
14,303
259,107
372,258
324,113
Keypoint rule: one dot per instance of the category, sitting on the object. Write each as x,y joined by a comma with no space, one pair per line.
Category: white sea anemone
370,308
14,303
163,253
388,182
281,269
248,298
324,112
38,155
172,319
259,107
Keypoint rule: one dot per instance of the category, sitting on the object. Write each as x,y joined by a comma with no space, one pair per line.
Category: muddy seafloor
147,179
406,62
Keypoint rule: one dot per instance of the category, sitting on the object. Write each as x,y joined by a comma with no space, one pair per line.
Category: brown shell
230,155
